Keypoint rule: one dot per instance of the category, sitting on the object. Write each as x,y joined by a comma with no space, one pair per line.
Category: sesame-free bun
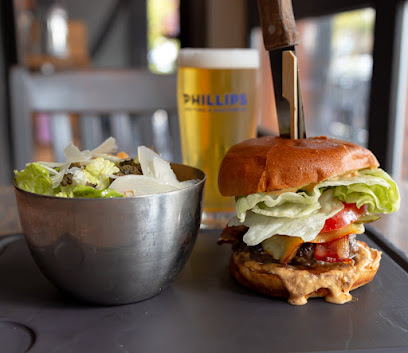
331,281
274,163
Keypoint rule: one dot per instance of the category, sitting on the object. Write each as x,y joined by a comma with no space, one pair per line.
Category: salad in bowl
107,228
100,173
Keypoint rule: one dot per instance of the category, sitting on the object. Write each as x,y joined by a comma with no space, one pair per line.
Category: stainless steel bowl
113,251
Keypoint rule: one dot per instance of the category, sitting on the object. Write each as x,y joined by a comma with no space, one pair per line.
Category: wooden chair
129,97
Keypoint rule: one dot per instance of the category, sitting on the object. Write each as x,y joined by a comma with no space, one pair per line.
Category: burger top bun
274,163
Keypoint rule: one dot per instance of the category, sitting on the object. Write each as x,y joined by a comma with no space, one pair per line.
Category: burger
299,206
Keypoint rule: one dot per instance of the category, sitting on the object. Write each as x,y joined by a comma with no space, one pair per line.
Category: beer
216,93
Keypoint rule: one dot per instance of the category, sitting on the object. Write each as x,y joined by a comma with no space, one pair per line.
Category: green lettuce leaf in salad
65,191
34,178
99,174
90,192
99,170
303,213
90,173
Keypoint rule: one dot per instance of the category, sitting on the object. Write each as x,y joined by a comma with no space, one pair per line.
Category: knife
280,38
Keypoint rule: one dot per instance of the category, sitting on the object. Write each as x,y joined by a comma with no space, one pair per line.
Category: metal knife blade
282,104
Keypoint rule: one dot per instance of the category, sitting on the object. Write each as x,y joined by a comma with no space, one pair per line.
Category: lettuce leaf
65,191
375,188
34,178
99,170
303,213
87,191
56,173
90,192
288,204
371,187
82,177
307,227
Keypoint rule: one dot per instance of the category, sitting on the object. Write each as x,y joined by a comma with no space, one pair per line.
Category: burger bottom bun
331,281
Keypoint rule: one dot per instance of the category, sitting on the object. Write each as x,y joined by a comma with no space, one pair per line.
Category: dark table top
203,310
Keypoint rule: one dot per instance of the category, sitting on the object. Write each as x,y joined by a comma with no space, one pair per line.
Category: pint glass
216,93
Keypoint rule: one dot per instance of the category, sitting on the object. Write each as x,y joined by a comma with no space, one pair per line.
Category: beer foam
219,58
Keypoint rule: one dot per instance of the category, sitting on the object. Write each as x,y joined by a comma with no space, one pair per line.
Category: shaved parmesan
108,146
73,154
138,185
155,167
158,177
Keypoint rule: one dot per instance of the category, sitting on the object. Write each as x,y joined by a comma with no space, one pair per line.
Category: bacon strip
232,234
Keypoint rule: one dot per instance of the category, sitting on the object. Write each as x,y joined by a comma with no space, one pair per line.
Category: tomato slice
333,251
349,214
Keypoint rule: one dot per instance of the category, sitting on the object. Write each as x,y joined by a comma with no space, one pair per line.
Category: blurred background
353,67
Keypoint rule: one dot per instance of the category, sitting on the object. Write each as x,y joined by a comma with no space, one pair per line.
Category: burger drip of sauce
304,282
306,277
301,283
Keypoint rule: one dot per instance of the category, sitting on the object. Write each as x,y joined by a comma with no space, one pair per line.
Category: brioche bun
274,163
333,281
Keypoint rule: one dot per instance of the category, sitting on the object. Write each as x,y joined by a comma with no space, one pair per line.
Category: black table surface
203,310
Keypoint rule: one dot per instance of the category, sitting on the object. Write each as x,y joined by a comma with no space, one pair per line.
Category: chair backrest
129,97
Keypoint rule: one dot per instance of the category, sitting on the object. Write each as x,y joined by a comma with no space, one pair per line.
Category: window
335,67
163,29
403,104
335,64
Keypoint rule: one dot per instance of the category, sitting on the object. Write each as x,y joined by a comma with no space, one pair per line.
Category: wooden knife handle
289,89
278,24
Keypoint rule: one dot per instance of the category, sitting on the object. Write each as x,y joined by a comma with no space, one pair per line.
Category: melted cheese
309,187
353,228
337,280
284,248
282,191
